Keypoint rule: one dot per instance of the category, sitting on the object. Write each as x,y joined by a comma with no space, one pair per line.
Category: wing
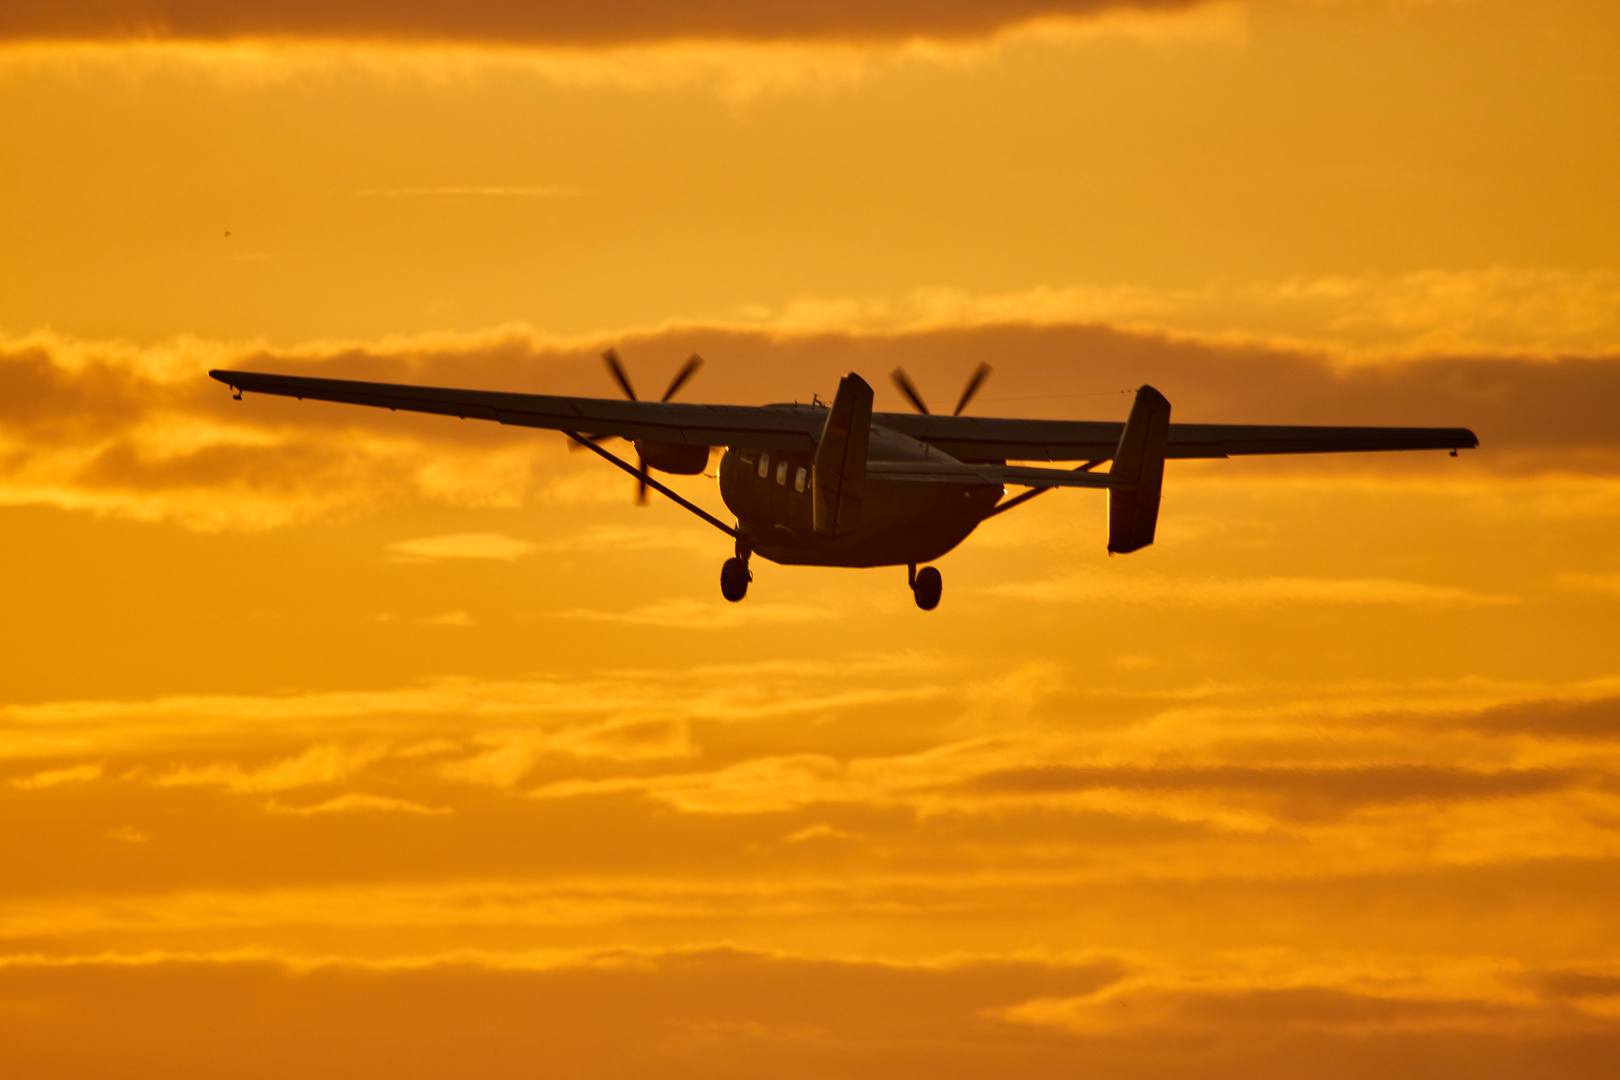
987,439
788,427
766,428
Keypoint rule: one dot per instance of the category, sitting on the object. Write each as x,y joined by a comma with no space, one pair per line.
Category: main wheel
734,579
928,587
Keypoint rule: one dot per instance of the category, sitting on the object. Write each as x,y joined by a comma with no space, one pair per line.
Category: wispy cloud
356,802
687,614
1367,317
473,191
1607,585
1166,591
461,546
453,619
49,778
325,764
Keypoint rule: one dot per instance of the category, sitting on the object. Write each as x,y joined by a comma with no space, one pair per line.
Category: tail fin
838,478
1133,509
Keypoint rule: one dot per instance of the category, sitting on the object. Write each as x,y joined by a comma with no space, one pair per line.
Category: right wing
972,438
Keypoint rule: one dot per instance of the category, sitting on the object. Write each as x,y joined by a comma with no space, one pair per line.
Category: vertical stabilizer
838,478
1133,508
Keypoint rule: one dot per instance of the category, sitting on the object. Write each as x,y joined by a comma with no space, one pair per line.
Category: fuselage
901,520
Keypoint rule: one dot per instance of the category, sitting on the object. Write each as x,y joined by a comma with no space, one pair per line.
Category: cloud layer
491,21
140,431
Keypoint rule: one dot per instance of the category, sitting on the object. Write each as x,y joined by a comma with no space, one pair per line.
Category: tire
734,578
929,586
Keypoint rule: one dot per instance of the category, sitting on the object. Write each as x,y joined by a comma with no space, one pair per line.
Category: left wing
764,428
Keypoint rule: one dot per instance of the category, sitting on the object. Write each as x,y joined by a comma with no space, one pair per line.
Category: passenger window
781,472
764,466
798,480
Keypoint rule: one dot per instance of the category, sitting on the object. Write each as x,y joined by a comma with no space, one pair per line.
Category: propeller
616,368
976,380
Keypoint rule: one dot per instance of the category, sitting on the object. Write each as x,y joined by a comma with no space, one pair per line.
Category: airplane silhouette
840,485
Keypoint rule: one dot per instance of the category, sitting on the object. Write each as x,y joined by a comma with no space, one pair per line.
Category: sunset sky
342,743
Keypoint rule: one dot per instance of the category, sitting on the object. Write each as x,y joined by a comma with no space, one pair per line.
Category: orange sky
344,743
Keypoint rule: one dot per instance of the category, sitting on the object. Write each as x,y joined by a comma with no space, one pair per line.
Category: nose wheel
926,586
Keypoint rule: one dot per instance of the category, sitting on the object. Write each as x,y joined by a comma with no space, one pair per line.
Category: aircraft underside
918,536
901,522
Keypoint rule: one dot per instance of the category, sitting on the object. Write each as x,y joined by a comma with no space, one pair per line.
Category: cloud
1594,718
1163,591
1370,317
1606,585
729,1011
613,22
819,831
356,802
504,758
139,431
1229,1013
454,619
325,764
719,693
50,778
684,614
1295,792
462,546
487,192
697,541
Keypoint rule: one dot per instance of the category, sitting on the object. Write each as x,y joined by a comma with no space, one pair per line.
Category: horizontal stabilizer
955,472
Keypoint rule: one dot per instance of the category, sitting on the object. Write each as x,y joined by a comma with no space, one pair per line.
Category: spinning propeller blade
904,383
687,371
611,358
616,368
981,373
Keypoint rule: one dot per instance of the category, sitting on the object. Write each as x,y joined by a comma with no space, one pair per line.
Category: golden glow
342,742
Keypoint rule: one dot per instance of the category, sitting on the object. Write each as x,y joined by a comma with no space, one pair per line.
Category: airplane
840,485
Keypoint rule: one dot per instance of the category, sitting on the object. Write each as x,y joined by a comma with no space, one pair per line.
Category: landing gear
734,578
926,585
735,575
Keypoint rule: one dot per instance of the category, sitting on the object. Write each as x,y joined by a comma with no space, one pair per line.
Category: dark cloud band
77,418
563,22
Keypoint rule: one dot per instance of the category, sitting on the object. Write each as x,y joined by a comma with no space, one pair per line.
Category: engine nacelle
676,458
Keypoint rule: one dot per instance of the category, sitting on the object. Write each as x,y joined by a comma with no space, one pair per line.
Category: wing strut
642,477
1019,500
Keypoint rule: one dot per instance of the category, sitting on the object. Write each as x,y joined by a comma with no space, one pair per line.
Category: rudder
1133,507
838,475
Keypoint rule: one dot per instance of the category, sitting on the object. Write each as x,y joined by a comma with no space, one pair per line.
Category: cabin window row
800,476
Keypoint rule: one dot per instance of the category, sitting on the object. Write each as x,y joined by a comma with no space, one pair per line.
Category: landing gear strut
735,575
926,585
